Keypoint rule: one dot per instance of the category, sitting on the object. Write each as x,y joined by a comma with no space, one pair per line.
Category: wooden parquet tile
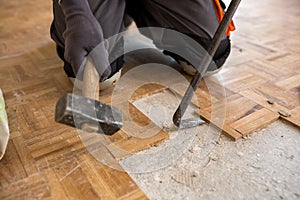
264,65
48,160
45,159
242,116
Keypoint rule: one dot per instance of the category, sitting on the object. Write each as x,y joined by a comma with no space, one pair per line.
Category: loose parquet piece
235,112
254,121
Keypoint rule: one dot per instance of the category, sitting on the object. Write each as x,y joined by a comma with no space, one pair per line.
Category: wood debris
284,113
271,101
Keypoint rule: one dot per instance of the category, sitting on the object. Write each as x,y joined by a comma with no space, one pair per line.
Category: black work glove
83,33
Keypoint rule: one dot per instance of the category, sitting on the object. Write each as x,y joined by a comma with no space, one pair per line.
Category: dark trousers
195,18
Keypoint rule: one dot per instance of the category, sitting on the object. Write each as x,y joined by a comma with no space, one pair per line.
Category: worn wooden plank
291,82
240,79
238,116
285,98
32,187
147,90
11,167
219,121
256,96
74,181
56,189
254,121
110,182
294,118
25,157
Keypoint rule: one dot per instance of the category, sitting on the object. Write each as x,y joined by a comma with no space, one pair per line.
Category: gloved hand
83,33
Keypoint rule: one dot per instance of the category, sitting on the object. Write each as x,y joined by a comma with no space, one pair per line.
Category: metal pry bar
202,68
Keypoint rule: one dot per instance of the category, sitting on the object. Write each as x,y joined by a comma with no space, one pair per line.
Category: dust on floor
208,165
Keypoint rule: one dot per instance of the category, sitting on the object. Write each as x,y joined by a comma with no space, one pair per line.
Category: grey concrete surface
200,163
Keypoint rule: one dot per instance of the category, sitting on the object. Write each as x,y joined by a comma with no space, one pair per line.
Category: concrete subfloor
264,166
201,163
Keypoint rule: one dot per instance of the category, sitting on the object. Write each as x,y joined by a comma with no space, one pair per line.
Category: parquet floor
265,64
45,159
48,160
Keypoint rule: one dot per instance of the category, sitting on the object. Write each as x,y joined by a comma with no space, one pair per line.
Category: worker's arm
83,33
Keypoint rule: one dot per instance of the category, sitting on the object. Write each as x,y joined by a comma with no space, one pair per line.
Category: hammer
86,113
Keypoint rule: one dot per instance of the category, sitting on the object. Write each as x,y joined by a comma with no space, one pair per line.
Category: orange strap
220,15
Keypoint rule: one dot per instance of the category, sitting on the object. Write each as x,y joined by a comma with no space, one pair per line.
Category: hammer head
77,111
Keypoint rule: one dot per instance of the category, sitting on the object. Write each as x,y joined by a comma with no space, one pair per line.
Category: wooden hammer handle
90,89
